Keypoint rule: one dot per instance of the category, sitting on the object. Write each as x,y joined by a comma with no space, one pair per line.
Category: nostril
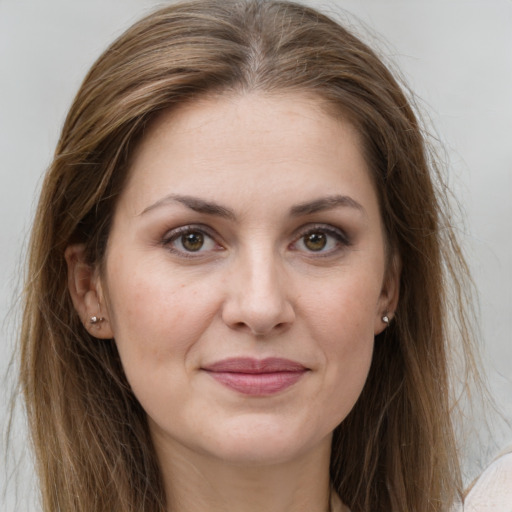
260,332
257,310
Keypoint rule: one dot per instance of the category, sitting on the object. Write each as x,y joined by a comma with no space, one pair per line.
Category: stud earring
385,319
95,320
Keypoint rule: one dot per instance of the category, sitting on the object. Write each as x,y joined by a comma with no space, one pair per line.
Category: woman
237,294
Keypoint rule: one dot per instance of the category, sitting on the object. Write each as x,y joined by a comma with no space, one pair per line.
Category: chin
263,443
258,453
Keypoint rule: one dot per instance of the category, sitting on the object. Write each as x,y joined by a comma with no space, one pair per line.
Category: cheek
348,346
156,317
158,322
349,358
346,306
342,321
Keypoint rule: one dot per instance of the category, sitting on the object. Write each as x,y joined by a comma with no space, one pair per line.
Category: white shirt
493,489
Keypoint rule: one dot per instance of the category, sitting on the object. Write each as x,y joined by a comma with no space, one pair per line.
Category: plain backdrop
456,55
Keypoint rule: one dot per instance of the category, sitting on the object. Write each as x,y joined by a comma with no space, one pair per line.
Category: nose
258,298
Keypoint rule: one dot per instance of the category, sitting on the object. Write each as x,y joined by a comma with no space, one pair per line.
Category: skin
262,284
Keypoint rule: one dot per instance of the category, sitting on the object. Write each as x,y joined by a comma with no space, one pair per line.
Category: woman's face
245,276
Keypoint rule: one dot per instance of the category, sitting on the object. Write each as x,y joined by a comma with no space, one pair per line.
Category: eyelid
343,240
340,236
173,234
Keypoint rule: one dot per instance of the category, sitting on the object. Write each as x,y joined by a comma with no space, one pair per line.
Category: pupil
315,241
192,241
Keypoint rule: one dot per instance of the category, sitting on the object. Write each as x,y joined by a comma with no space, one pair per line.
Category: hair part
396,449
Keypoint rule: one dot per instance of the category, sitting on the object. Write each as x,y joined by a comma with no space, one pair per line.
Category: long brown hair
396,449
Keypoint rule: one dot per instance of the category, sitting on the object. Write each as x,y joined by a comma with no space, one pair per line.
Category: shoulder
493,489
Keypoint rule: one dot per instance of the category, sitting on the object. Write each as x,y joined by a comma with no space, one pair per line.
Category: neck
199,483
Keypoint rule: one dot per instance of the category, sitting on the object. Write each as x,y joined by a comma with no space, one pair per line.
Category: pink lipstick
256,376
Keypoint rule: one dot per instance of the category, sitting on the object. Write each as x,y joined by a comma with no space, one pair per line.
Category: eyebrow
325,203
210,208
194,203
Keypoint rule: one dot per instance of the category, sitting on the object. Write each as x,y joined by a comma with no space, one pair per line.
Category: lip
257,377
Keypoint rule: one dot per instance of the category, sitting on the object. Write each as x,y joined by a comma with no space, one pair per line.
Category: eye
315,241
187,240
192,241
321,239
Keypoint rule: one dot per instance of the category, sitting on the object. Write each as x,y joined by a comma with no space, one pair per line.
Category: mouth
257,377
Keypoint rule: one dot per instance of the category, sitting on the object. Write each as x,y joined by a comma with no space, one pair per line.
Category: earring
96,319
385,319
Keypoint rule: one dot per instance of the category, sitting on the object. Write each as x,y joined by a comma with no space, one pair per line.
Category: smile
256,377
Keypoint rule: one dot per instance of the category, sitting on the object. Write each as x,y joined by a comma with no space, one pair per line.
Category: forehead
253,140
216,115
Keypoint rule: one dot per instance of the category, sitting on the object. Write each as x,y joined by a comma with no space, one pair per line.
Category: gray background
455,54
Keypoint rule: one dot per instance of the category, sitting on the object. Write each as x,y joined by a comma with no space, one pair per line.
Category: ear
86,292
388,300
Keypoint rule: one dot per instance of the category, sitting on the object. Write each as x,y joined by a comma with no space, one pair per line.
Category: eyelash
177,233
340,237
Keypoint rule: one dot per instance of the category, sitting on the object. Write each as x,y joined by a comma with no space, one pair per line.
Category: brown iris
192,241
315,241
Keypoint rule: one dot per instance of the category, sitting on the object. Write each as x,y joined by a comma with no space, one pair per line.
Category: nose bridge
259,296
